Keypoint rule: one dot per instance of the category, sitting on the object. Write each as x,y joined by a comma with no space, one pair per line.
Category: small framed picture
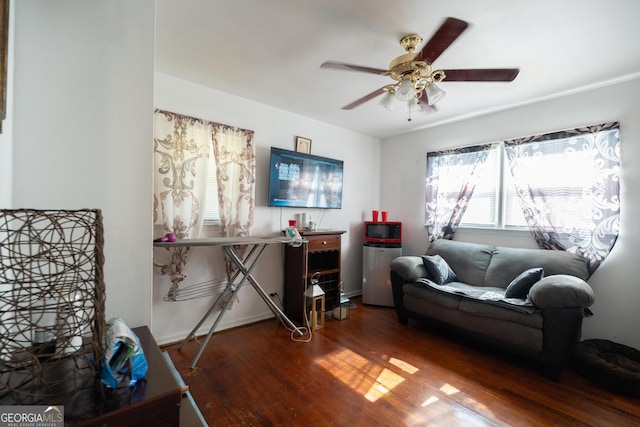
303,145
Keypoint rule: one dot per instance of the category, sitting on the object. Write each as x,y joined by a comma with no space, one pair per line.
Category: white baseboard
204,329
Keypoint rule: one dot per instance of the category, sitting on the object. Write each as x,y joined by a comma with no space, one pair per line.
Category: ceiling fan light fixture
405,91
434,94
388,100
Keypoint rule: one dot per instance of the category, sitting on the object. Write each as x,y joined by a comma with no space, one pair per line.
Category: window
482,209
185,167
494,202
564,173
211,208
563,186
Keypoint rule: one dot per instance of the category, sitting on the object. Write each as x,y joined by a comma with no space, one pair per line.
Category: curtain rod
215,124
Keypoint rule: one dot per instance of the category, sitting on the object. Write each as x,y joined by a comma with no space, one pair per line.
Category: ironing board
257,246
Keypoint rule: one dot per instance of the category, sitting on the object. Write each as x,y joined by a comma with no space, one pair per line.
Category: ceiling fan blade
364,99
442,39
351,67
482,75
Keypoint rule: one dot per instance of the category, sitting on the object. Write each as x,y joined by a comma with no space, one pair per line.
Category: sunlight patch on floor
448,389
368,379
429,401
374,381
386,381
408,368
442,411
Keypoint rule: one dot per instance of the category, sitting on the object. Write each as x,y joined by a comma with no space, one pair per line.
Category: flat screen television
304,181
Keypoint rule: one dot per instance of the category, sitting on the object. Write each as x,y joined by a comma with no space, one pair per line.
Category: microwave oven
383,232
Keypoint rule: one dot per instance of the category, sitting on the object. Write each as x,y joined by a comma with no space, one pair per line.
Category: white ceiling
270,51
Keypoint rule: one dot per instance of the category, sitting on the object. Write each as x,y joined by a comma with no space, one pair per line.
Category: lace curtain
183,146
236,166
581,215
451,179
181,151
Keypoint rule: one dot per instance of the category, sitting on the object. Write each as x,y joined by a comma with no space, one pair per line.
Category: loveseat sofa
528,301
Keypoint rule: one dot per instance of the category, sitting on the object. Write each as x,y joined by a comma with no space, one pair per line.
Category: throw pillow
519,287
438,270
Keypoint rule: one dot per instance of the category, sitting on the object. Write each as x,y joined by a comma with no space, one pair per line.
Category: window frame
501,194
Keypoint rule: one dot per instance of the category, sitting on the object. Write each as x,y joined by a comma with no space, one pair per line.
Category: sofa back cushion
486,265
469,261
507,263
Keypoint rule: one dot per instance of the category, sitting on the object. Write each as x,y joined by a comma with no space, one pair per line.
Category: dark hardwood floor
369,370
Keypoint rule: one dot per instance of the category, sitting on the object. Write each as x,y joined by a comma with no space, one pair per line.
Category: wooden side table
320,254
159,405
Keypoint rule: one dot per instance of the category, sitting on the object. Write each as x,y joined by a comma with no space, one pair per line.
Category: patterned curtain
451,178
581,215
236,170
181,147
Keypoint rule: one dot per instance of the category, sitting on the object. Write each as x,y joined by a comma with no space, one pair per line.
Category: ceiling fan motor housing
406,67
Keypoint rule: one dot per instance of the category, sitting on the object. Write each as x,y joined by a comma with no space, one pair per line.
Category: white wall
82,128
615,283
273,127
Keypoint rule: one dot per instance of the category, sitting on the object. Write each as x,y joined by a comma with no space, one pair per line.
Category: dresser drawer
323,243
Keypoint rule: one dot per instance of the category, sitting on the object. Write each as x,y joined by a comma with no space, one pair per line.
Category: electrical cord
304,329
321,217
307,334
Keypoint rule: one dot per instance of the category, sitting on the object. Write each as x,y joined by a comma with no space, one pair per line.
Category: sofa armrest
561,291
410,268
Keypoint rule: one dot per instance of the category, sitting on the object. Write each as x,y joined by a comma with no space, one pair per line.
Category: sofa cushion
468,260
519,287
480,294
507,263
485,309
438,270
517,335
424,293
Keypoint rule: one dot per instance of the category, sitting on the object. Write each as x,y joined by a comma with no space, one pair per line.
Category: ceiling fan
415,76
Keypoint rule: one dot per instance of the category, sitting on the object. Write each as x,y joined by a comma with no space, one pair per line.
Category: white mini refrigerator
376,274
